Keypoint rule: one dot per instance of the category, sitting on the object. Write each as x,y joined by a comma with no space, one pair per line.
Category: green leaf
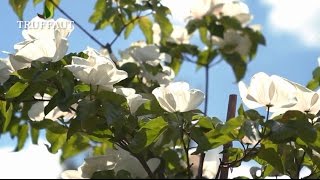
175,64
313,84
49,8
35,2
18,7
203,31
87,115
56,140
123,174
280,132
47,74
22,136
201,139
238,65
206,122
16,90
206,57
74,145
131,68
34,135
146,27
109,174
129,29
232,124
270,155
150,107
53,126
117,24
100,8
172,159
233,154
251,131
6,111
165,25
148,134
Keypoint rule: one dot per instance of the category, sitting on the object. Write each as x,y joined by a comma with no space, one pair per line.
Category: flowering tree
136,120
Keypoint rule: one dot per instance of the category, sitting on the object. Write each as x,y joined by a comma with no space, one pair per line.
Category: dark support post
232,106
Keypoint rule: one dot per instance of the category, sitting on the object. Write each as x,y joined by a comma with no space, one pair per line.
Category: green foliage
146,27
103,118
18,7
49,8
148,134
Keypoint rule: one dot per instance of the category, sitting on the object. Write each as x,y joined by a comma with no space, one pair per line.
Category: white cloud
299,18
33,162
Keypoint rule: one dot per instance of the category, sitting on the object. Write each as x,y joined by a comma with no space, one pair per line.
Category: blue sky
290,28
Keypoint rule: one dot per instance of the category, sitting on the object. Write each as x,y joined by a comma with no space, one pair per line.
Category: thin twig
230,164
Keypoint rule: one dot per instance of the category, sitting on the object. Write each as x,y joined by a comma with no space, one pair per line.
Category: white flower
36,112
113,160
96,70
134,100
5,70
236,9
308,101
45,42
177,97
179,34
232,8
163,78
233,41
211,162
204,7
143,55
141,52
268,91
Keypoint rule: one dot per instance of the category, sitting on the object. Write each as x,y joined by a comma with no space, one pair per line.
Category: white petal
4,71
62,47
63,27
159,94
19,62
153,163
36,112
71,174
42,50
80,61
196,98
135,101
244,93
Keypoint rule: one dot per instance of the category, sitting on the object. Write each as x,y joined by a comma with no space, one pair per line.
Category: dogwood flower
115,160
233,41
96,70
178,97
134,100
236,9
308,101
179,34
5,70
163,77
36,112
268,91
148,55
219,8
143,53
45,43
